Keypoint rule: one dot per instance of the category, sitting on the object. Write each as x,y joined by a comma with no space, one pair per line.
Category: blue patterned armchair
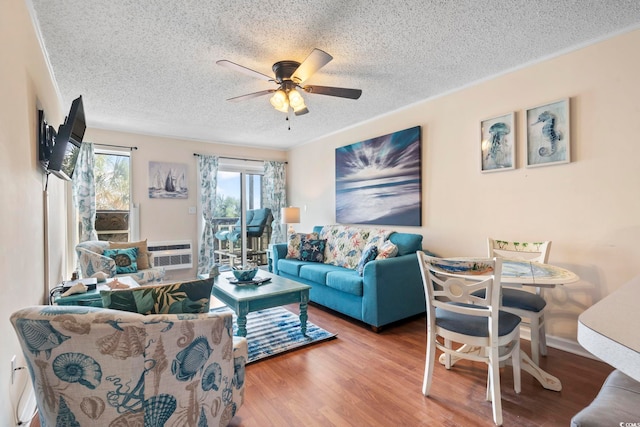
91,260
94,366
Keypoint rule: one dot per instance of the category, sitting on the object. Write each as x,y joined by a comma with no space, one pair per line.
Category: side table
92,298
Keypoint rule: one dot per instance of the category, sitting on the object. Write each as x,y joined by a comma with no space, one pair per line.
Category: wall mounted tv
59,151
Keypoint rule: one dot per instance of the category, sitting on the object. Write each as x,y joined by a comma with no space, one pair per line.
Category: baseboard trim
563,344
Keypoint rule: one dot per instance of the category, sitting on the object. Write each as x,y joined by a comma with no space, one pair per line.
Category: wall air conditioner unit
172,255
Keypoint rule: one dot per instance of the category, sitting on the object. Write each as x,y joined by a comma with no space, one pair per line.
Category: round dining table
529,273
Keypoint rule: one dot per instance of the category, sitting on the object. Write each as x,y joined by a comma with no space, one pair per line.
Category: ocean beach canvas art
378,181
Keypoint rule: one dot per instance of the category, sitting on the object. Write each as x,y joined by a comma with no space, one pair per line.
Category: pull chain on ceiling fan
289,76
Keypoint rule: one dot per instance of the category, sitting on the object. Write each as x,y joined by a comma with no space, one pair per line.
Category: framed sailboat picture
168,180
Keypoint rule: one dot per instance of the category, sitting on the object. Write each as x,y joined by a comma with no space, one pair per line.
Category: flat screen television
67,141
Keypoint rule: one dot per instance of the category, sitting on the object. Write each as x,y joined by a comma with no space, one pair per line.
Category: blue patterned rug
277,330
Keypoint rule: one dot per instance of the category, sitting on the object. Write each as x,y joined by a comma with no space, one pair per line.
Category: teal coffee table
243,299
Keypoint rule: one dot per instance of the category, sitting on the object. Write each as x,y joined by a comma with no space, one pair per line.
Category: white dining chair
529,305
456,315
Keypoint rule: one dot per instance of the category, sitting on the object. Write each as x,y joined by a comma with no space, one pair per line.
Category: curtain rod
116,146
238,158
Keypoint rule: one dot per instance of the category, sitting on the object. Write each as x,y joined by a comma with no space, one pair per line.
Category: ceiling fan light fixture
279,101
295,99
297,102
288,76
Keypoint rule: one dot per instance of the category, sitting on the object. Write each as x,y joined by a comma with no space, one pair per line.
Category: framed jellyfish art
498,143
548,134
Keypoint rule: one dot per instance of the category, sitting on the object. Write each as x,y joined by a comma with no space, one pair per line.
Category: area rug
277,330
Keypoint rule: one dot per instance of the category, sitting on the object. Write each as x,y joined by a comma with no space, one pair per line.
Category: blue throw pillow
125,259
312,250
407,243
369,254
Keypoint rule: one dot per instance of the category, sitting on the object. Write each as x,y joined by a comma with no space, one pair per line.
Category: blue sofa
389,289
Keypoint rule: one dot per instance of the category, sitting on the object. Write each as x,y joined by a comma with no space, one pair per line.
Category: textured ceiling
149,66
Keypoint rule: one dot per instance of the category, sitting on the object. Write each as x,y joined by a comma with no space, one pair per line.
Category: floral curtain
275,197
84,192
208,174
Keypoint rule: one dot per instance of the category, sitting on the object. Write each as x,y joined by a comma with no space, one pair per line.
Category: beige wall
25,86
589,208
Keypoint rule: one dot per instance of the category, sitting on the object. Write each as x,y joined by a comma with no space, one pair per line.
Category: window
113,195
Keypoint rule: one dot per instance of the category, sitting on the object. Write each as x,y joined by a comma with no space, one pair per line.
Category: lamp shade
290,215
279,101
295,99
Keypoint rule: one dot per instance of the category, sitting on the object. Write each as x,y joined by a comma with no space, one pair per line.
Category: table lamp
290,216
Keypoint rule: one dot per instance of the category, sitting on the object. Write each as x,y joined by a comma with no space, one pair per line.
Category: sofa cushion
388,250
312,250
295,239
317,273
407,243
290,266
125,259
345,243
369,254
143,252
173,298
348,281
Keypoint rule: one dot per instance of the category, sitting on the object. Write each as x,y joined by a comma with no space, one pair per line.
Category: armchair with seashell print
96,366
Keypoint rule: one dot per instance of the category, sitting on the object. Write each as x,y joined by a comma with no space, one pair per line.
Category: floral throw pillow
369,254
293,246
387,250
173,298
312,250
125,259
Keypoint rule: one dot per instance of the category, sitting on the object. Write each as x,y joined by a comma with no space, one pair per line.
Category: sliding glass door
239,195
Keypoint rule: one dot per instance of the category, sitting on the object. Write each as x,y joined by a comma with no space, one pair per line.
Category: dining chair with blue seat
529,305
455,314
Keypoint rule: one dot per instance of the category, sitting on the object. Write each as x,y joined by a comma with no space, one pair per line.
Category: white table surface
609,329
534,273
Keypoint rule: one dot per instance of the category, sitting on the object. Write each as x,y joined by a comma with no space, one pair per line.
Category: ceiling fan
290,76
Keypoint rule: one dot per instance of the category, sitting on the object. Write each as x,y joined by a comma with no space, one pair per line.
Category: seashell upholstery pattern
191,360
78,368
96,366
39,335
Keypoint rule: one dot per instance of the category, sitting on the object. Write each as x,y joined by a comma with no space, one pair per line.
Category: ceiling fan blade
342,92
244,70
301,112
251,95
316,60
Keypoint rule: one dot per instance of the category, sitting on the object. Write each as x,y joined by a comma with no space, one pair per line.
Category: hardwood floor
368,379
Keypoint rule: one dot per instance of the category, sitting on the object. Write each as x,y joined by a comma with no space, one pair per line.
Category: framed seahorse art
548,134
498,143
